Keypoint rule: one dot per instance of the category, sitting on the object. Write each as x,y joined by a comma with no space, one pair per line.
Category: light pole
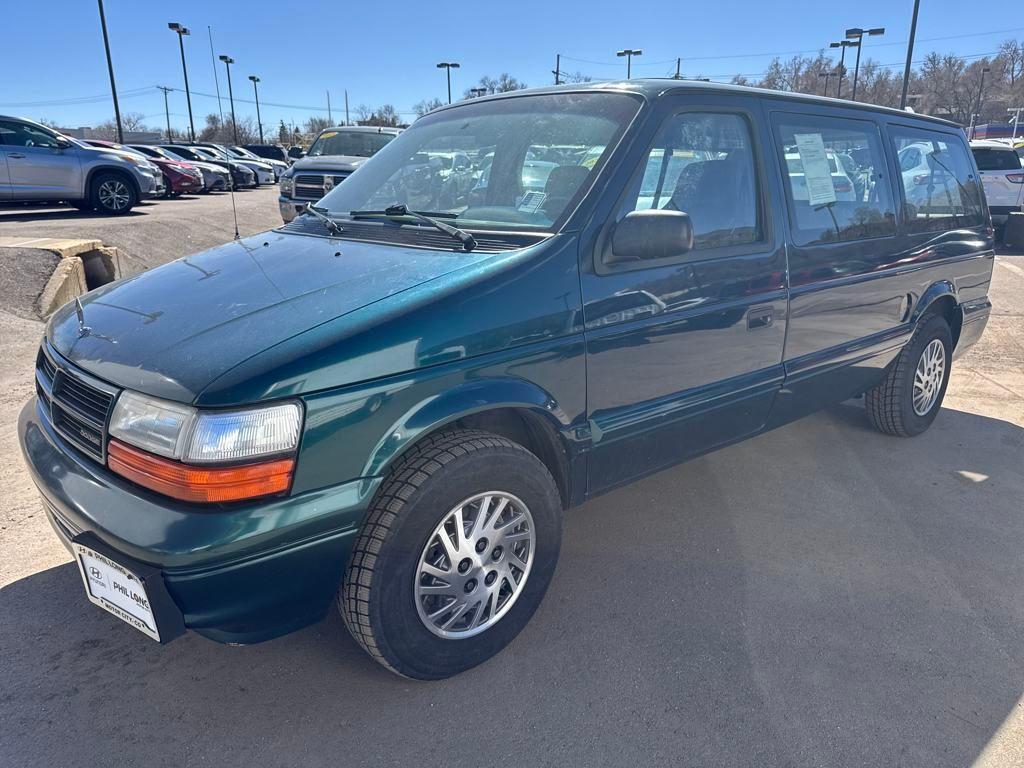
857,34
228,61
977,112
110,69
182,31
448,66
629,53
1015,111
826,75
910,54
844,44
167,110
256,91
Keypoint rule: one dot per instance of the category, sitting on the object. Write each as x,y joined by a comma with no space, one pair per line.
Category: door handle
15,154
760,317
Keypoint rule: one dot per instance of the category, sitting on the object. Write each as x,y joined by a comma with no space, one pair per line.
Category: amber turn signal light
189,482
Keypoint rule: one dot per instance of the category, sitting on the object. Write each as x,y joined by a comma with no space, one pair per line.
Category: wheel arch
93,172
940,299
516,409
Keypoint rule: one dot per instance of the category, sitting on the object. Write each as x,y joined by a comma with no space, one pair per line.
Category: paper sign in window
817,173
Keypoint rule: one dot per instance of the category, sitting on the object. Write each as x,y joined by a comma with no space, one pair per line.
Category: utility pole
557,71
346,107
216,80
228,61
110,69
256,91
330,117
629,53
167,110
1016,118
678,75
981,90
181,32
910,54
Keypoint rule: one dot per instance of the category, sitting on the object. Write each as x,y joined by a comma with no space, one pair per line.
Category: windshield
514,164
352,143
173,155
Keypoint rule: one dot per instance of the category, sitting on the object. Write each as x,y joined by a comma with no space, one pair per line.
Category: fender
112,169
936,291
452,405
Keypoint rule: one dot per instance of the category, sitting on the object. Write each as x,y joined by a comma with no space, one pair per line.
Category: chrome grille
78,404
310,186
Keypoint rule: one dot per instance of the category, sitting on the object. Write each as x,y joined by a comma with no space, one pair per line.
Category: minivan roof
655,87
364,129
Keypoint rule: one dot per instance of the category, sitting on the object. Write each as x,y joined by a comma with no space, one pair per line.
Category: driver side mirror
296,153
63,143
650,235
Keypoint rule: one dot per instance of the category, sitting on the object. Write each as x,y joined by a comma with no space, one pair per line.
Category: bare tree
426,105
502,84
315,124
575,77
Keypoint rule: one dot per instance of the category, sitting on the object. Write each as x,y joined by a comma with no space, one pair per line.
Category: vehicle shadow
820,595
14,214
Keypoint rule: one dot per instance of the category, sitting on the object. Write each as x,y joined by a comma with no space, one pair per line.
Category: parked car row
38,163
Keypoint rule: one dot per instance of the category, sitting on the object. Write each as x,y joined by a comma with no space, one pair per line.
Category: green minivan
388,403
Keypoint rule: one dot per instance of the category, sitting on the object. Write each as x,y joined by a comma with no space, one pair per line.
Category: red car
179,178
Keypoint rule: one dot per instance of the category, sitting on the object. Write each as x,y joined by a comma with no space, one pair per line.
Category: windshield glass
352,143
172,154
516,163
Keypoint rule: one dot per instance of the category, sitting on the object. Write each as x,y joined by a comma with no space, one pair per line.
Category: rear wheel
113,194
455,556
907,401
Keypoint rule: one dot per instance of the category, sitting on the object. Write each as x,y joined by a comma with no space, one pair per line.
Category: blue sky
387,51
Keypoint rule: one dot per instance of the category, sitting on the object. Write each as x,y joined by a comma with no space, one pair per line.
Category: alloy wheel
114,195
928,377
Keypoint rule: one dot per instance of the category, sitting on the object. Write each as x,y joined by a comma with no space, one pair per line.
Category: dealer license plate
115,589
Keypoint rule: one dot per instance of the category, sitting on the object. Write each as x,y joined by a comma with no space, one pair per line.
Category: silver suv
37,163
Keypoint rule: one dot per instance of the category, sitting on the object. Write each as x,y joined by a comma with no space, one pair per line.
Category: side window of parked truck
703,165
836,178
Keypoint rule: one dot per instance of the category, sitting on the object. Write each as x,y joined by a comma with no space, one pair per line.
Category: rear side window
988,159
940,190
703,165
836,179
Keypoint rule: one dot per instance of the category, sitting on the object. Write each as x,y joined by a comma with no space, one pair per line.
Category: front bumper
290,208
181,184
151,186
237,573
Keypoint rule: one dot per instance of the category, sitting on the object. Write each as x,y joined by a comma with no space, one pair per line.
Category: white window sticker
817,173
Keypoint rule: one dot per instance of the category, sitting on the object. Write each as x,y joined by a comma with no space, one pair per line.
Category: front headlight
287,185
192,435
202,456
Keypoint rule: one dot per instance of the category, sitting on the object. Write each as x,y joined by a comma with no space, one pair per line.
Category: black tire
377,599
113,194
890,405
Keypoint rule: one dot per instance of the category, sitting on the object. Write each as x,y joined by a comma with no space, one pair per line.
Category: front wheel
113,194
907,401
456,554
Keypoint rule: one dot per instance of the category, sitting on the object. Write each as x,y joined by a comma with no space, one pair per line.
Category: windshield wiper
401,209
332,226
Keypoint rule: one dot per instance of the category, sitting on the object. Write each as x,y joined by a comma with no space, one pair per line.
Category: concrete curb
83,263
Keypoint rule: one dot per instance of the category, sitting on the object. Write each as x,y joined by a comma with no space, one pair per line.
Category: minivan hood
329,163
173,330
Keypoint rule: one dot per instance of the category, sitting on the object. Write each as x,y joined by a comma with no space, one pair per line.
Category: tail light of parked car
842,185
1016,178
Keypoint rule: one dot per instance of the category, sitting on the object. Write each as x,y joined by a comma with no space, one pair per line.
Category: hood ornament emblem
328,183
83,329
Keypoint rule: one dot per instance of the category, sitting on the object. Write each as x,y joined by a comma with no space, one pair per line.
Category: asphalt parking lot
820,595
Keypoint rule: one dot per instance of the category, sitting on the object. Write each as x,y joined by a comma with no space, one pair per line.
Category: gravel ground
23,274
819,595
